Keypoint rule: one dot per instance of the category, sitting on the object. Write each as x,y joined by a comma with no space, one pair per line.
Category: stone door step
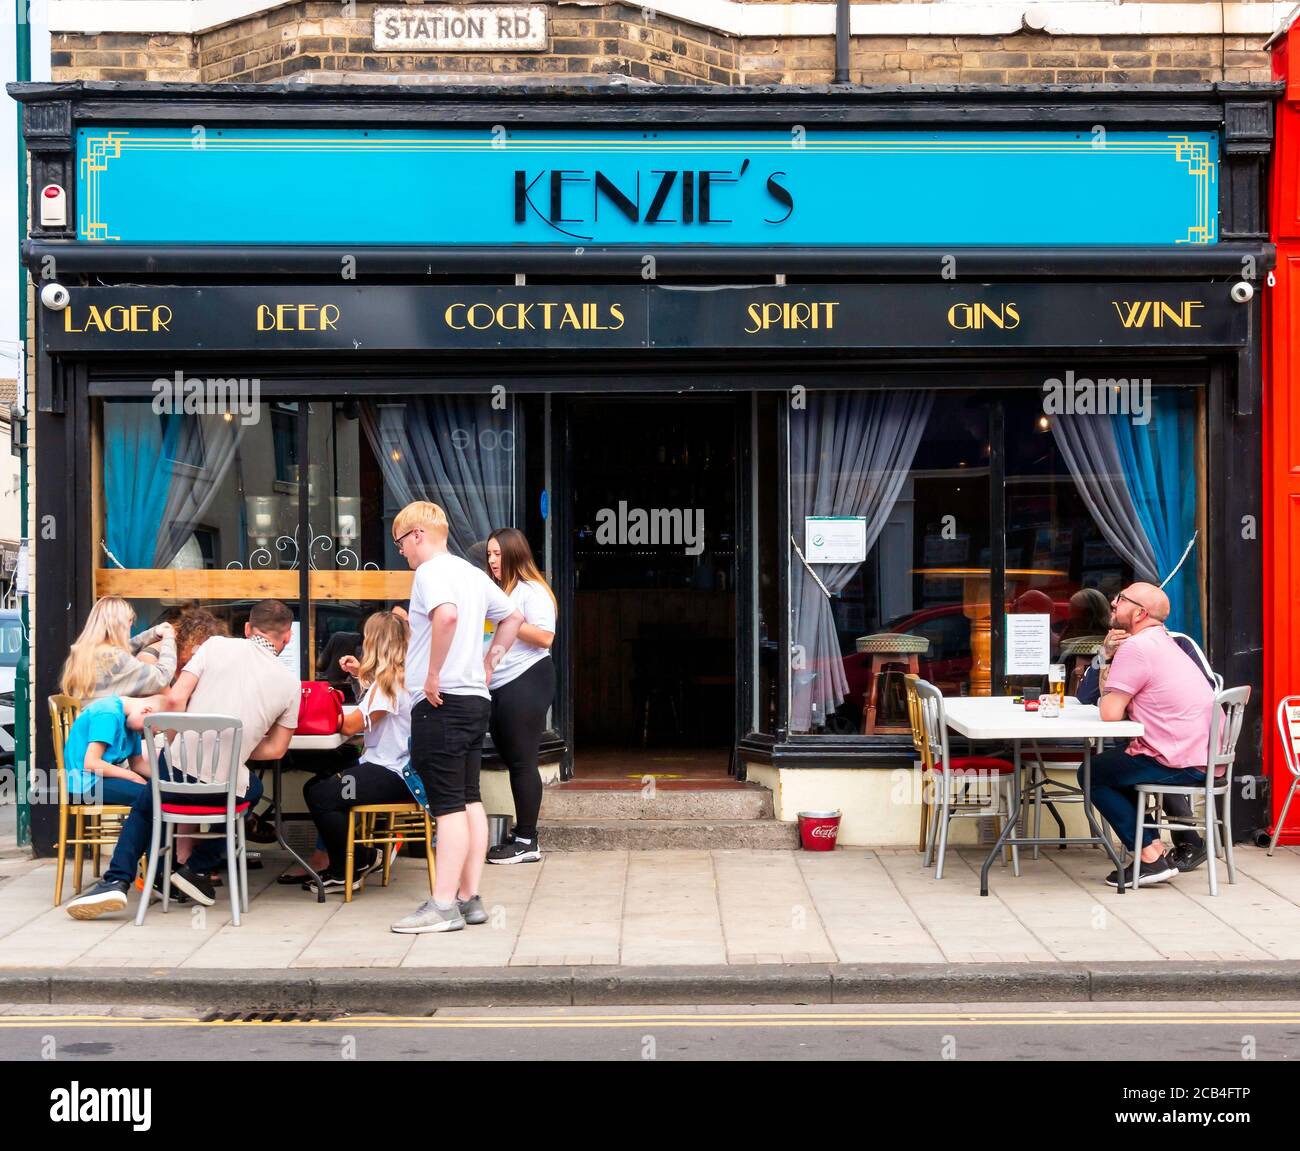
744,801
665,834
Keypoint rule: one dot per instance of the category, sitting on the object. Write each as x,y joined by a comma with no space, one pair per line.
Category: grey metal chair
951,773
1288,725
1193,649
205,751
1225,728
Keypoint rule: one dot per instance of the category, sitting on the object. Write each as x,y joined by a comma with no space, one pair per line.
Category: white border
933,18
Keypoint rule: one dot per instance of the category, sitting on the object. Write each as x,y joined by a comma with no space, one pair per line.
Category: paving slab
576,909
767,909
671,913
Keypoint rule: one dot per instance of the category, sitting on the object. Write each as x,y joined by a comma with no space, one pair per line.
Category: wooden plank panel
612,720
585,656
254,583
363,585
631,612
216,584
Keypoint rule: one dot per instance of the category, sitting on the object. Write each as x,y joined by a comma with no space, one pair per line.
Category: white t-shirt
449,579
237,677
387,743
531,598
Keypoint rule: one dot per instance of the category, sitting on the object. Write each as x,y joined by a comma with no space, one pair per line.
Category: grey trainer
472,909
430,917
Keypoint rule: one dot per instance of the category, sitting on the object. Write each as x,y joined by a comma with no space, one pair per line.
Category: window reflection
920,482
1091,502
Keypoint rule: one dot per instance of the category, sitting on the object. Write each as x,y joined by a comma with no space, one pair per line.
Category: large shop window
205,509
892,500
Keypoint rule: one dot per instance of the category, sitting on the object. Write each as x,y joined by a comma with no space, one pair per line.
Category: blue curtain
1159,463
137,441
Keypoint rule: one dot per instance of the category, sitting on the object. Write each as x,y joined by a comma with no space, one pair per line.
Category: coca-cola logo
828,832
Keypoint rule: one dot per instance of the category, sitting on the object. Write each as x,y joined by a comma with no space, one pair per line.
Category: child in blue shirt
104,758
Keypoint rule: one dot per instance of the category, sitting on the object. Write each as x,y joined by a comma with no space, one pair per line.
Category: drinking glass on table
1056,683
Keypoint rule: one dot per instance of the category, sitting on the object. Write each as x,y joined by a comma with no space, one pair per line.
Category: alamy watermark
1081,396
658,527
191,396
78,1104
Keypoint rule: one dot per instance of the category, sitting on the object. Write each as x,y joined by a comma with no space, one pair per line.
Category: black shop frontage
786,388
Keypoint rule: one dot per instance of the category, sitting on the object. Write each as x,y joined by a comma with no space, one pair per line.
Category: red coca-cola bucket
819,830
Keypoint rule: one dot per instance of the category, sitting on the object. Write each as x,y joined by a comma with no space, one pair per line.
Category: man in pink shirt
1149,679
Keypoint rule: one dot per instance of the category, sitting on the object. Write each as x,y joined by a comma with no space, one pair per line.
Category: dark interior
654,670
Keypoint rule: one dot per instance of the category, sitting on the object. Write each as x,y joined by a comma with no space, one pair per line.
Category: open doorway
654,616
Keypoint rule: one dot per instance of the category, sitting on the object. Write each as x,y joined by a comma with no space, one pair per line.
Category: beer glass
1056,683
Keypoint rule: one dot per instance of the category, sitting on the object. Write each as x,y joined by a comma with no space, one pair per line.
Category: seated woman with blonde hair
384,716
107,660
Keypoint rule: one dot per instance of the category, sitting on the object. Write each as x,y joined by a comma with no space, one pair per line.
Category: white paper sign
289,657
1029,644
22,577
835,539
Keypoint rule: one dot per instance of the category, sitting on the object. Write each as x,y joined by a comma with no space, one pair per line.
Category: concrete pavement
684,924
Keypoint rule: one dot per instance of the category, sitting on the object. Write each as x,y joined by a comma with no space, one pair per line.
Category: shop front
790,391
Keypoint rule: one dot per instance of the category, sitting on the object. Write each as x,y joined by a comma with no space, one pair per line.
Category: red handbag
320,711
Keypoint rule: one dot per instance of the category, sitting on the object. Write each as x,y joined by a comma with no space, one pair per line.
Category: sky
9,224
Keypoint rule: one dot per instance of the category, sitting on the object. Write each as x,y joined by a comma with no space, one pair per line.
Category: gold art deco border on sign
101,150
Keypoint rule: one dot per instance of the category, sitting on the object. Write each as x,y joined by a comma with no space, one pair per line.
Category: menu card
1029,644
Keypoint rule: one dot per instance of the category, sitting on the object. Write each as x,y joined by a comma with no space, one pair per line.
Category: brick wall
313,36
122,56
1023,58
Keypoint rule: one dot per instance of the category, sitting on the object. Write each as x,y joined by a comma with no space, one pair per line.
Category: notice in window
289,657
1029,644
835,539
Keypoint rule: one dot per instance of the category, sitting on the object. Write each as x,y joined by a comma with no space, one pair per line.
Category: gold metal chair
95,825
922,746
402,823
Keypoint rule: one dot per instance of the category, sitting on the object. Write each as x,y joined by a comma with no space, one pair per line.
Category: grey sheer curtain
206,448
850,453
456,451
1088,445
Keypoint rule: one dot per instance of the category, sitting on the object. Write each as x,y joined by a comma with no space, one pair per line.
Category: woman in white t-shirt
522,687
384,715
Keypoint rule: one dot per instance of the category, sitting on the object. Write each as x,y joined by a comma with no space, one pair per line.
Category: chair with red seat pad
205,750
958,778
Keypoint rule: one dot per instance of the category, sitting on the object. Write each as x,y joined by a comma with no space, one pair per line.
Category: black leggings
331,798
518,719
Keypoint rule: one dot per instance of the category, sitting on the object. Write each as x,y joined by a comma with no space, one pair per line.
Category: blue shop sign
577,187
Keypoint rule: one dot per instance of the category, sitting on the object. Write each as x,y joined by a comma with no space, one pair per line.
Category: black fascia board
618,105
415,262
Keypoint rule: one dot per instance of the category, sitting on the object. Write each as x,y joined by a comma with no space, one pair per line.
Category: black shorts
447,749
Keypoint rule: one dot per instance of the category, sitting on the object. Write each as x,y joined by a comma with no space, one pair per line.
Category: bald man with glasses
1146,676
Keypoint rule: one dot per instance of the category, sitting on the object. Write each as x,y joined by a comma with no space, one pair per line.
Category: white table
998,718
318,742
323,742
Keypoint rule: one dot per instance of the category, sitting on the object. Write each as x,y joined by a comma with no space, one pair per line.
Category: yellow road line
1109,1019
